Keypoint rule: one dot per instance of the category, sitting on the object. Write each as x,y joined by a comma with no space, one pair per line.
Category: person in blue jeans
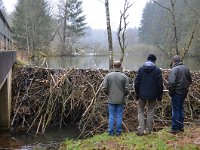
115,86
179,82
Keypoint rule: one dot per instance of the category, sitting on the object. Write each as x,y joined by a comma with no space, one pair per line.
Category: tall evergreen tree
72,24
32,25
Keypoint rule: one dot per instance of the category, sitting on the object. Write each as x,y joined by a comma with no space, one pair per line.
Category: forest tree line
172,25
37,27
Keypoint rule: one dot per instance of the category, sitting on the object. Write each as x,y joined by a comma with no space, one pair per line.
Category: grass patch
19,63
161,140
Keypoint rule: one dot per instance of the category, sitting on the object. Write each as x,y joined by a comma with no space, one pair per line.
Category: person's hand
126,93
159,103
171,94
159,98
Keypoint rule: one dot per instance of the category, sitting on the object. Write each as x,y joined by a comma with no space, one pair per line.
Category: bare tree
109,32
185,50
171,10
64,28
172,13
27,37
122,30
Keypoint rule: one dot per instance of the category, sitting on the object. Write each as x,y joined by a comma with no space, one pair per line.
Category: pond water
28,141
132,62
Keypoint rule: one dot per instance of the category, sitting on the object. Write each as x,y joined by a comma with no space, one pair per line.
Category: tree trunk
174,25
27,36
122,30
109,35
64,29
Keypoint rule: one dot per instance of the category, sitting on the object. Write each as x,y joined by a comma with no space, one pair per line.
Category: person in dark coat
115,85
179,82
149,88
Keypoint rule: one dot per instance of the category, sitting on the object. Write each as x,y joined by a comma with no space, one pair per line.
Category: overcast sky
95,12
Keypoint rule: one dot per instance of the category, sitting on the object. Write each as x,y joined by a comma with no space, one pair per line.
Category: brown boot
139,133
181,130
173,131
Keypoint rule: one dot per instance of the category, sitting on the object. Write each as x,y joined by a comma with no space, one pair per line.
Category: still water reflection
102,62
29,141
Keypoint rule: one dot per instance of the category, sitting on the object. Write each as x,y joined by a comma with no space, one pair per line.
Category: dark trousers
177,112
148,126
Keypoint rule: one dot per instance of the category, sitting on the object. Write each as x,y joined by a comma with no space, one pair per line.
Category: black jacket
149,82
179,79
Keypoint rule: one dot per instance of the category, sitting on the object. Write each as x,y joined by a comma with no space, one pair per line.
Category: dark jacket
179,79
149,82
115,85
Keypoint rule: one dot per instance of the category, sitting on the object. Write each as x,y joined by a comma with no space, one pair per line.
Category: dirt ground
191,136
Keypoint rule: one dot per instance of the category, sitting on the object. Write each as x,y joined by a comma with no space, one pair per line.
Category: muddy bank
8,141
44,98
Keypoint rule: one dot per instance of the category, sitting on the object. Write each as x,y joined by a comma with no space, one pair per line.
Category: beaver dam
44,98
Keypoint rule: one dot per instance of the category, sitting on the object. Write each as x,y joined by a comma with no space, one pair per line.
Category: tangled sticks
44,98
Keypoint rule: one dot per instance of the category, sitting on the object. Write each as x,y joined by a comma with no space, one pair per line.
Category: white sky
95,12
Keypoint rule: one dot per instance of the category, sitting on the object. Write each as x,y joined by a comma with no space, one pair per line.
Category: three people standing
148,86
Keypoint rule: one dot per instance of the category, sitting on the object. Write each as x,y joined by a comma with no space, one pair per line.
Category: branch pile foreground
44,98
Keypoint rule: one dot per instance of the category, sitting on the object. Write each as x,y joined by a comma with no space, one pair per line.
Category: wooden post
5,103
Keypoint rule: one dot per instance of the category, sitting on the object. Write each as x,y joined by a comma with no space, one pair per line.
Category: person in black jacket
179,82
149,88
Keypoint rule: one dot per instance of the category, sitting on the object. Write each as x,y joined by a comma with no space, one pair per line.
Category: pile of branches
43,98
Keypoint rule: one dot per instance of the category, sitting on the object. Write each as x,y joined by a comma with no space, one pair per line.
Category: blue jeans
177,112
115,112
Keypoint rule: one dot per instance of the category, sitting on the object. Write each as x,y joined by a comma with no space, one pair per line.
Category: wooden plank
7,58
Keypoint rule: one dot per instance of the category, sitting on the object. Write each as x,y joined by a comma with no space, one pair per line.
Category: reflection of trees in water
198,60
90,64
96,61
196,64
193,63
131,62
71,62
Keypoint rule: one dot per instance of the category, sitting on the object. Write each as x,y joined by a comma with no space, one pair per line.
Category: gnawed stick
92,98
25,95
38,127
37,115
125,126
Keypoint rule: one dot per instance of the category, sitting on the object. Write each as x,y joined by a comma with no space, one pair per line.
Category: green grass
20,63
161,140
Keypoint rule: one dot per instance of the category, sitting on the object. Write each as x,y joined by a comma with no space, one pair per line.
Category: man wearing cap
149,88
179,82
115,85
